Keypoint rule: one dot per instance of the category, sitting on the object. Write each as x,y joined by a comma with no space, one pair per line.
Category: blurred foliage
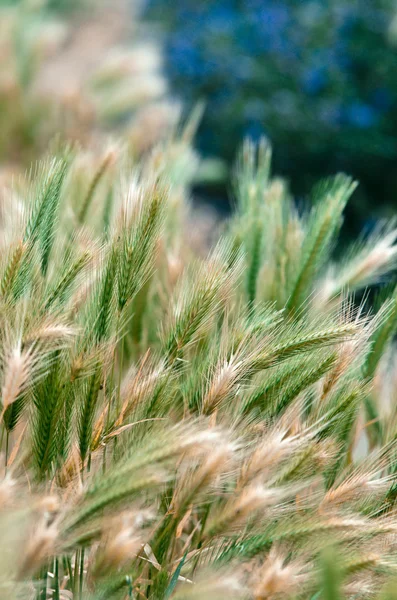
60,6
77,78
317,76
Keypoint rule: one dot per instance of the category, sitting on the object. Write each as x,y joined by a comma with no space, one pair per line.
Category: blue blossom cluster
307,70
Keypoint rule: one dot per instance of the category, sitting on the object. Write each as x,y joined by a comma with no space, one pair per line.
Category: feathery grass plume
17,368
365,264
48,405
213,586
198,298
378,346
382,334
107,161
170,413
24,357
252,178
33,229
119,544
100,309
323,224
41,219
140,387
226,377
272,395
139,229
73,269
277,576
12,266
284,249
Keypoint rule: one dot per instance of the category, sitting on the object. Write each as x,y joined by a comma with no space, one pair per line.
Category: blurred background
317,77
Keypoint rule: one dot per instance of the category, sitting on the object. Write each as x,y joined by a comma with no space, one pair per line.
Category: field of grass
189,411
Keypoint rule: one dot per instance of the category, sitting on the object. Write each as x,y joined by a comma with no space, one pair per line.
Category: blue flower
183,56
273,18
362,115
222,18
315,80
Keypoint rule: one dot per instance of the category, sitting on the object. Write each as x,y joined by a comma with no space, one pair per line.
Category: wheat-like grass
191,423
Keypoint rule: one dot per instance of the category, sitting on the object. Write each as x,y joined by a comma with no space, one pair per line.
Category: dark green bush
316,76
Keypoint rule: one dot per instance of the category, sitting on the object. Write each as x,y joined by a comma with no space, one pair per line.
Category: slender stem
7,447
129,583
56,579
104,459
42,592
110,396
67,566
120,374
81,582
76,575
